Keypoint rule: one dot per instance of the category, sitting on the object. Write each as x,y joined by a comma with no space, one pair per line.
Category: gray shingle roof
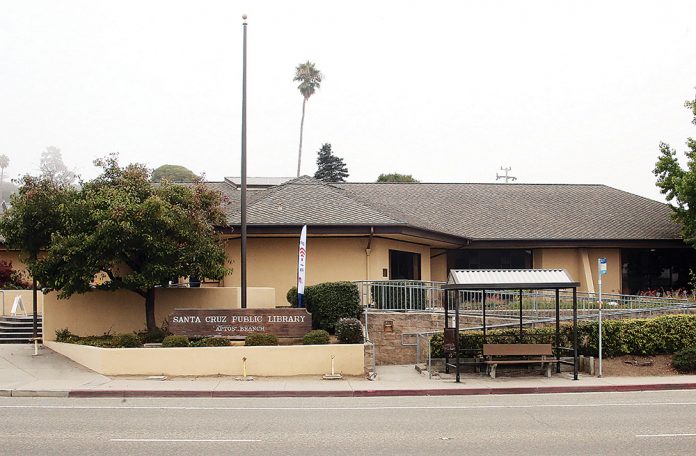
473,211
306,200
523,211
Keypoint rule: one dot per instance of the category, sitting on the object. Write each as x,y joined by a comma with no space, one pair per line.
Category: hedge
666,334
329,302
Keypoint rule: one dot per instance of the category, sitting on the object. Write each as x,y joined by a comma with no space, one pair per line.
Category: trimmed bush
349,331
316,337
291,296
328,302
660,335
155,336
125,341
260,339
175,341
685,360
211,342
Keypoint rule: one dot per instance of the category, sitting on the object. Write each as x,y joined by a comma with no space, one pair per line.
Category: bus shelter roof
506,279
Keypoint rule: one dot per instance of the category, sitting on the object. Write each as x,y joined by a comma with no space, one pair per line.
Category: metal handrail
412,295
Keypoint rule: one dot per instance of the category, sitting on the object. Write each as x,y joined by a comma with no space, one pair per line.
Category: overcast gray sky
563,92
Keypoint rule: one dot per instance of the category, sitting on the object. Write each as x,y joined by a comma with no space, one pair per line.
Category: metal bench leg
548,370
493,366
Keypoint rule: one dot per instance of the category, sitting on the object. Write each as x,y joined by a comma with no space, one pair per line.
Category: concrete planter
276,361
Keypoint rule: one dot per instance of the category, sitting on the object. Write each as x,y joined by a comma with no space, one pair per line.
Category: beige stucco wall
611,281
438,267
123,311
8,297
272,262
261,361
581,264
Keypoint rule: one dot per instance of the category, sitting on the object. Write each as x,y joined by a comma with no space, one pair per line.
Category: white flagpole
301,267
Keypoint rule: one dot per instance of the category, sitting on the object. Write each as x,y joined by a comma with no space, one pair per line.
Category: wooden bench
518,354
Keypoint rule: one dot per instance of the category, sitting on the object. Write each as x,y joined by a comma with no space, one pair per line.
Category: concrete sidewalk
51,374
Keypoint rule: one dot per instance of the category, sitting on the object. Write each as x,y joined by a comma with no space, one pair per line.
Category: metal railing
400,294
416,295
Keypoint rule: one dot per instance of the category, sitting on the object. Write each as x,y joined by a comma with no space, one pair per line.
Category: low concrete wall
99,312
8,297
278,361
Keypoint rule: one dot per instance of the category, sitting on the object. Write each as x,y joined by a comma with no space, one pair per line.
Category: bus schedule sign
240,322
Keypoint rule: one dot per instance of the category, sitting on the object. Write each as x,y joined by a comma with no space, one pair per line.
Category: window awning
504,279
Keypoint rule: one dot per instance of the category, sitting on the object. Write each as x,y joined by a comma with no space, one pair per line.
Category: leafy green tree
137,233
396,177
310,80
331,167
678,184
53,168
36,213
174,173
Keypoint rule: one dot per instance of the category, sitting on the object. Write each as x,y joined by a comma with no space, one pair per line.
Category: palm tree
4,163
310,80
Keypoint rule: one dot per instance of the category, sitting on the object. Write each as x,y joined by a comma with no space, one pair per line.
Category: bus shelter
484,281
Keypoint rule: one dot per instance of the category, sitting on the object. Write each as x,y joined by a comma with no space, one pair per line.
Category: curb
34,393
370,393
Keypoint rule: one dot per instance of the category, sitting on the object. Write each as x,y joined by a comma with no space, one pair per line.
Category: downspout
368,250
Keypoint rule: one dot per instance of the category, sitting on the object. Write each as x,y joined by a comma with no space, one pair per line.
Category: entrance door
404,265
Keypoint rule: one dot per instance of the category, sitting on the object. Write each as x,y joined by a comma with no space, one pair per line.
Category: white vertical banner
301,266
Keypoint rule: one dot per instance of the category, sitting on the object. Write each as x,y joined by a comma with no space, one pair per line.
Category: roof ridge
472,183
308,180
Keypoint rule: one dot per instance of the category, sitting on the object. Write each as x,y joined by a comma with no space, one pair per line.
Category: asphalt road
659,423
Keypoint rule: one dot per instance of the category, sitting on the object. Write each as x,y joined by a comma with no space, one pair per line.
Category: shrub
211,342
259,339
155,336
125,341
328,302
660,335
64,335
349,331
291,296
316,337
685,359
175,341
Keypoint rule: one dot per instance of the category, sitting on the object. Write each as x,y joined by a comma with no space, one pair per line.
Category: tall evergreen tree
331,167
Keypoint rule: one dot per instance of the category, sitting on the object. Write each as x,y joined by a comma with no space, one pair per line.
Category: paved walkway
51,374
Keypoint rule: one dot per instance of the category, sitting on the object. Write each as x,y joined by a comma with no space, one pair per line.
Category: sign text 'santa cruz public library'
240,322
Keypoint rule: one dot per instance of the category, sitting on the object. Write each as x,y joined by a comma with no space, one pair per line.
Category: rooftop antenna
505,176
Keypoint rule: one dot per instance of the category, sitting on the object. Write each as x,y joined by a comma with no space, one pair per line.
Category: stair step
4,335
19,320
18,329
16,341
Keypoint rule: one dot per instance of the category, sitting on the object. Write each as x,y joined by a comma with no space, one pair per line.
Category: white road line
405,407
666,435
183,440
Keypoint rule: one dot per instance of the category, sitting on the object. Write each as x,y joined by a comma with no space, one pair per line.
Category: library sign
240,322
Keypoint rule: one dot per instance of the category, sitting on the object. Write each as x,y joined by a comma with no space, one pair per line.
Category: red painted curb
390,392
